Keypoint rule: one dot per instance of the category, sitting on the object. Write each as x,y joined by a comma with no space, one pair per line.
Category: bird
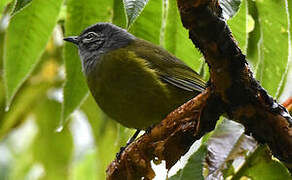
135,82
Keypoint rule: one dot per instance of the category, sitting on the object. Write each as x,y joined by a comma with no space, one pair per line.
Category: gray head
98,39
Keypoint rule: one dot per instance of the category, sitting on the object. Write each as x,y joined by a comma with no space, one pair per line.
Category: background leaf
260,165
119,17
229,7
238,25
149,28
20,4
227,143
176,39
215,156
253,36
194,167
35,90
3,3
22,106
53,150
26,40
133,10
87,168
273,44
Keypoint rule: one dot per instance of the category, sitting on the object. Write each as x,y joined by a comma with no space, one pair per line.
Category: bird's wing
168,67
187,83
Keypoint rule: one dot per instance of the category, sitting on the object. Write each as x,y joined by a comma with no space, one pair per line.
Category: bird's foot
148,130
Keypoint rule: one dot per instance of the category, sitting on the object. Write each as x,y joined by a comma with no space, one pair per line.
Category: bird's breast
128,90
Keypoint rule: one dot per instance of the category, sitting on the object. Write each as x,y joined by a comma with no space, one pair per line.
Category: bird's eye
89,36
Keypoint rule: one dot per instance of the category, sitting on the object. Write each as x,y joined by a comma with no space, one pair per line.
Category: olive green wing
168,67
187,83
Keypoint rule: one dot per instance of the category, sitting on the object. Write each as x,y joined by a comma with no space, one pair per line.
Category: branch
232,80
168,140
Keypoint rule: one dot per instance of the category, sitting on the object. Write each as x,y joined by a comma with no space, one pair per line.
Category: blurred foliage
26,40
51,127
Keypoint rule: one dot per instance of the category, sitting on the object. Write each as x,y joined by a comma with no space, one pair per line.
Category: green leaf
133,10
217,152
95,116
22,165
119,17
26,38
260,165
238,25
227,142
3,3
290,18
273,56
86,168
20,4
285,89
176,38
2,42
194,167
22,106
253,36
53,150
229,7
149,28
80,14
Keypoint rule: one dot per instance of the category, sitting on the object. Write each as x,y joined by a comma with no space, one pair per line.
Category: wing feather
168,67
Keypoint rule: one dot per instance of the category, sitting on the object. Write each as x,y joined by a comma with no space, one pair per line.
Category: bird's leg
132,139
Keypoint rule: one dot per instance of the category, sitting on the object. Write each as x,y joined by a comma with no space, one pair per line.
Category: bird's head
99,39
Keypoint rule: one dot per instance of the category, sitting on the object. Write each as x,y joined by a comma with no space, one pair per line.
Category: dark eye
89,36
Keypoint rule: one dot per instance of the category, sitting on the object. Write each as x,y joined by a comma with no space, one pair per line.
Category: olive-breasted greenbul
132,80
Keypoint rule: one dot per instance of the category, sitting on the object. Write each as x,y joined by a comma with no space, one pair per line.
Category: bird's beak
72,39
